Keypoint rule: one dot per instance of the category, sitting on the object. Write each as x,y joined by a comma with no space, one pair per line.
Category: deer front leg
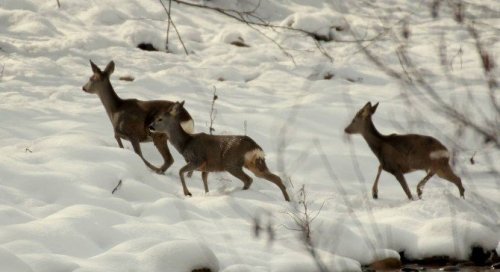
375,184
399,176
204,177
137,149
160,141
187,168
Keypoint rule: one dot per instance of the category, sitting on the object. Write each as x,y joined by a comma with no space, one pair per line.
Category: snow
322,24
171,256
60,160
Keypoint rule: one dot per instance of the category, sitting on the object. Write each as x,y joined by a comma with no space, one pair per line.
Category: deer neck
109,99
373,137
179,138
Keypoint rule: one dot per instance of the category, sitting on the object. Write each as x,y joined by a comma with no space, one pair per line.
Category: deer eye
159,119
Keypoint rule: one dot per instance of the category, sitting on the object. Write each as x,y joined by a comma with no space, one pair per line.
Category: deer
214,153
130,117
401,154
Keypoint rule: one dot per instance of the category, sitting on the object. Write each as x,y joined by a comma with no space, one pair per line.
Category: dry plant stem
1,72
303,219
243,17
169,21
213,112
175,27
117,187
488,66
252,20
430,94
58,4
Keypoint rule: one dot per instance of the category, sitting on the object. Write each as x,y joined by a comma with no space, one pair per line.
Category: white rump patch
188,126
439,154
254,154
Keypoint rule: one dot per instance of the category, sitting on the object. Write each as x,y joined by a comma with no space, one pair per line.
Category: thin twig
303,220
213,112
175,27
1,72
117,187
168,25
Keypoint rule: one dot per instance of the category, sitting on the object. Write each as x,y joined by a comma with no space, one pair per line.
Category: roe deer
130,117
213,153
401,154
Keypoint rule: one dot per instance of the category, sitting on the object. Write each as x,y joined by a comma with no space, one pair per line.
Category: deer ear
110,68
374,108
95,69
176,108
366,110
182,103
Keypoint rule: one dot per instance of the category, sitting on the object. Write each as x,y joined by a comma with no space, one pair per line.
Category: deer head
100,79
361,119
167,120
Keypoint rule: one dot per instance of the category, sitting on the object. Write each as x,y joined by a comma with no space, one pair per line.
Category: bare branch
175,28
213,112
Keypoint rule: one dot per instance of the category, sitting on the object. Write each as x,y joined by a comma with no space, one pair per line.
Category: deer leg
375,184
399,176
447,173
421,184
264,173
276,180
187,168
160,141
238,172
119,141
137,149
204,176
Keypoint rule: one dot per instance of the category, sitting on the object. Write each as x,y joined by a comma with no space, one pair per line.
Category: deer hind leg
421,184
375,184
399,176
238,172
119,141
446,173
259,168
137,149
160,141
204,177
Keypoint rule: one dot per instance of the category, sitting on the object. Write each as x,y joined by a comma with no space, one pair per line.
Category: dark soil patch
146,47
479,260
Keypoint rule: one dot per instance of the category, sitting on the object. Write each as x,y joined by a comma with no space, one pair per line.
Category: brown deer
401,154
214,153
130,117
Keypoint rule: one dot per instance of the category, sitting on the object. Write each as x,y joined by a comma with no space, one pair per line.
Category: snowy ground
59,160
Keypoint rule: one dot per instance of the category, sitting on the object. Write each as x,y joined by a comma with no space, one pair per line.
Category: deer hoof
375,195
188,194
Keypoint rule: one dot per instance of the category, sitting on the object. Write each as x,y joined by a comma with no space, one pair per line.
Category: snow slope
59,160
